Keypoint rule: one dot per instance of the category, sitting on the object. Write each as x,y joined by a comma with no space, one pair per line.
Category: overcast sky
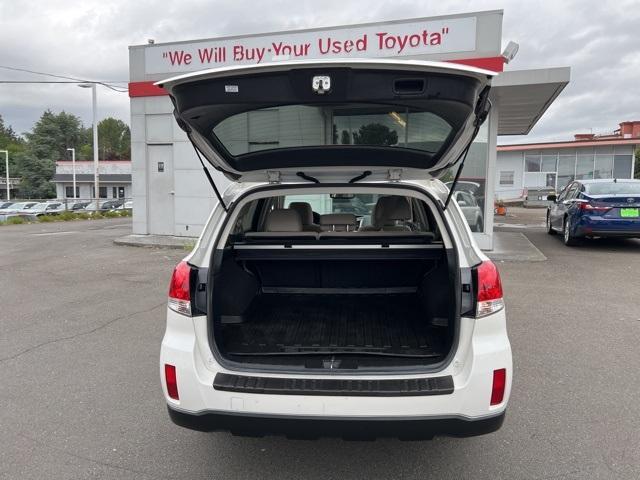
89,39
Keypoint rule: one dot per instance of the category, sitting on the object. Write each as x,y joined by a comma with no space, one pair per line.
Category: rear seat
282,223
338,222
286,223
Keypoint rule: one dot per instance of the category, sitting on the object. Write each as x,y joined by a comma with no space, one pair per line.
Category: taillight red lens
593,208
498,387
180,289
489,299
172,381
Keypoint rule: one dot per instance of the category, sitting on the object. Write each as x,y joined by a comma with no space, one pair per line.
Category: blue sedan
595,208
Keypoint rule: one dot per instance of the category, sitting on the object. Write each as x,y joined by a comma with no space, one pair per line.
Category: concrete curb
514,247
156,241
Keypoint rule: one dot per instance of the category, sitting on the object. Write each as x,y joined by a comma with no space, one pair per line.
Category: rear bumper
593,226
356,428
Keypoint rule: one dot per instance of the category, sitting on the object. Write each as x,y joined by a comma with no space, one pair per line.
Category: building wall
556,167
189,198
509,163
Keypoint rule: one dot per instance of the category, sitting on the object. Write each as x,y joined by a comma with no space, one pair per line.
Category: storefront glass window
622,166
549,163
604,166
532,162
566,170
584,167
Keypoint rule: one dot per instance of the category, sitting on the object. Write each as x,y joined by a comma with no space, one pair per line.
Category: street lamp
73,167
6,162
96,184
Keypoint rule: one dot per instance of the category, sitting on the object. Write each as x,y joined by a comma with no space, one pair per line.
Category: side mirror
552,198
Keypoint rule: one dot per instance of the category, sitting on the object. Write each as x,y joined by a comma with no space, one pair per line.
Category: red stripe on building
145,89
495,64
148,89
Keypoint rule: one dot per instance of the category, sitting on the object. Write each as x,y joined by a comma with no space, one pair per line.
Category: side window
572,192
565,193
470,199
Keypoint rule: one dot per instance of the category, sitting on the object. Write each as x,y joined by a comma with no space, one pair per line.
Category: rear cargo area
347,308
378,324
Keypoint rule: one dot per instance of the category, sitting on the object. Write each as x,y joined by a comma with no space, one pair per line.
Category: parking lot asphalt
82,320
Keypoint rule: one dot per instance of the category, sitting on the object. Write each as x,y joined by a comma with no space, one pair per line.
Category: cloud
90,40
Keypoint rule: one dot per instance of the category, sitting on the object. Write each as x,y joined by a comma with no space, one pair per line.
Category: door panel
160,188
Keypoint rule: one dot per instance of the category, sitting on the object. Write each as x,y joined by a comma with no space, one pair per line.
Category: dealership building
170,192
555,164
114,177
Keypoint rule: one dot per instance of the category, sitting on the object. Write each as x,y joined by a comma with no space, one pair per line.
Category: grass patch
188,246
46,218
15,221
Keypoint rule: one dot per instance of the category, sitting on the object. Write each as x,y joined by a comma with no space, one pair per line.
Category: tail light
498,386
180,289
489,289
590,207
172,381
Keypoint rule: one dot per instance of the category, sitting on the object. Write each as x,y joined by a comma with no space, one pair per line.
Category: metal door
160,189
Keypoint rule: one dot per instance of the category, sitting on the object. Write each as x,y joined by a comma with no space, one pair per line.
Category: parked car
111,204
19,207
128,205
470,209
595,208
5,205
105,205
397,328
80,205
44,208
474,188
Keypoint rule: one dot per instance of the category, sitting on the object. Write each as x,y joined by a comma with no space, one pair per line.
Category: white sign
384,40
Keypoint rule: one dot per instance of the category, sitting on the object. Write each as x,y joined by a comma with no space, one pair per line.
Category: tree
114,138
53,134
114,141
636,170
375,134
36,174
13,144
345,137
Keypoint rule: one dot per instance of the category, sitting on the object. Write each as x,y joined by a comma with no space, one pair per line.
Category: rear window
620,188
311,126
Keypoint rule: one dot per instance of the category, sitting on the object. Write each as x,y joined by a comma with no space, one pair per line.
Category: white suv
336,289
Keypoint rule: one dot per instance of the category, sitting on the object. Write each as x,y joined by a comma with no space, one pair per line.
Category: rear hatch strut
483,107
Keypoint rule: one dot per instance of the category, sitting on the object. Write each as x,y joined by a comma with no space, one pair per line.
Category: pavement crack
79,334
93,460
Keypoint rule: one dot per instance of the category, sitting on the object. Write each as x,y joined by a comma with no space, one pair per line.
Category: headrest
283,220
390,209
304,209
338,221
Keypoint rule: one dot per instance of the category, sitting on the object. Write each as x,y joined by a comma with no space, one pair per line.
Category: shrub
15,221
46,218
110,214
66,216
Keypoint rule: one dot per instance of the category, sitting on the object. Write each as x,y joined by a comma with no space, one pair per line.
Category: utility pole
73,169
6,162
96,178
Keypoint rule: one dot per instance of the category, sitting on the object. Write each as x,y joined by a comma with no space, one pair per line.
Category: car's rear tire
550,229
569,239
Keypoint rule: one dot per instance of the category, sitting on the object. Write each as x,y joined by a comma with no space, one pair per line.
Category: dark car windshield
614,188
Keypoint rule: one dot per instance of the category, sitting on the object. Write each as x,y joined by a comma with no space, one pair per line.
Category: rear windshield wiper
363,175
307,177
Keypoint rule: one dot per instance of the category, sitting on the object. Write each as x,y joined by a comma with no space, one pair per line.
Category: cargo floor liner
312,324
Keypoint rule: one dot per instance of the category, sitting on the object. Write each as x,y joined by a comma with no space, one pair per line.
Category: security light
510,51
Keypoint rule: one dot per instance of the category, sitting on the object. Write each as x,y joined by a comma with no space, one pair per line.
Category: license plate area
630,212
